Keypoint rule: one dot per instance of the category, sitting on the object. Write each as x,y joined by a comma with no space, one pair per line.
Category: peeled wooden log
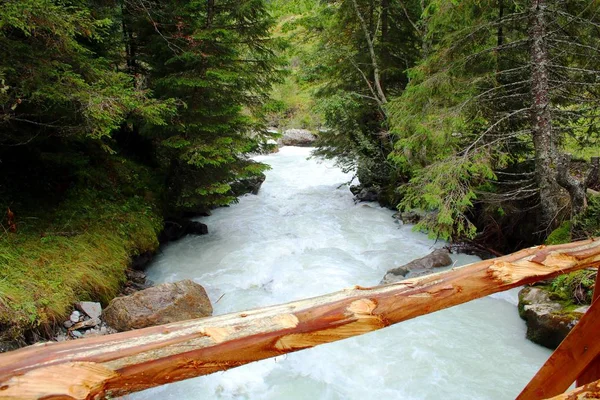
592,371
118,364
589,391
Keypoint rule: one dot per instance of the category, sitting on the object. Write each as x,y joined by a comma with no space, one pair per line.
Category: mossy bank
57,250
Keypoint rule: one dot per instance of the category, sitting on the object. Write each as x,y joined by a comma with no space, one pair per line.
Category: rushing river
302,236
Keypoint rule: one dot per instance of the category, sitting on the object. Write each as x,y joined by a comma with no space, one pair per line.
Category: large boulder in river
362,193
297,137
162,304
248,185
547,322
176,228
422,266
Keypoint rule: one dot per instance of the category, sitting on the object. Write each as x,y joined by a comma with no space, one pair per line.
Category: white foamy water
302,236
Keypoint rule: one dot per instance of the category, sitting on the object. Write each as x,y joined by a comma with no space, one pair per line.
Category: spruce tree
216,58
504,86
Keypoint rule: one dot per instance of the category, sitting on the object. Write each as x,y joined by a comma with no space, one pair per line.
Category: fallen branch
127,362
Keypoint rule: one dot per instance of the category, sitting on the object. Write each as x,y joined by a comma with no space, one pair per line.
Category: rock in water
197,228
422,266
547,322
248,185
176,228
297,137
162,304
90,308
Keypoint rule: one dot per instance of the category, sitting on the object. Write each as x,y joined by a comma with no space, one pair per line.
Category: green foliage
574,288
220,61
86,87
577,287
468,107
448,188
54,83
294,96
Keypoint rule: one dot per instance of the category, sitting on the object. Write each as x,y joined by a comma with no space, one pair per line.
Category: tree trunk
210,13
381,99
575,188
541,117
425,45
500,38
130,46
127,362
385,21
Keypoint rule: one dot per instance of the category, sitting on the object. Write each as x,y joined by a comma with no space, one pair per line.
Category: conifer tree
217,59
504,86
53,82
364,50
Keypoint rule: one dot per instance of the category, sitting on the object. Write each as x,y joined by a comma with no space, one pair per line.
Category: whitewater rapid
303,236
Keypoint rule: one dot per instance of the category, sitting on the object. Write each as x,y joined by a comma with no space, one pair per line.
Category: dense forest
480,116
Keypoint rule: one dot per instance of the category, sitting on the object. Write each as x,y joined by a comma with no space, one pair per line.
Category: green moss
574,289
79,249
560,235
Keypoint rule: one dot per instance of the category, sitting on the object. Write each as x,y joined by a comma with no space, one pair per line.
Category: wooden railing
123,363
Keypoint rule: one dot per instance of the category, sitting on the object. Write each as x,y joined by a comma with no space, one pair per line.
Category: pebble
76,334
68,324
61,338
75,316
92,309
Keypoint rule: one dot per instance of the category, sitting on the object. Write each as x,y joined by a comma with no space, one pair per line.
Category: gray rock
90,308
249,185
61,338
411,217
75,315
162,304
362,193
547,322
136,276
420,267
582,309
297,137
9,345
68,324
76,334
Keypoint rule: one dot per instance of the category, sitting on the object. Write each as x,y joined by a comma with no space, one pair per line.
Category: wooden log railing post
577,350
592,372
114,365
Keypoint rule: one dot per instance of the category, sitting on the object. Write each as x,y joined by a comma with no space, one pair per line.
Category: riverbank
77,248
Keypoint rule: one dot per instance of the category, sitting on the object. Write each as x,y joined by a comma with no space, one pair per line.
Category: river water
303,236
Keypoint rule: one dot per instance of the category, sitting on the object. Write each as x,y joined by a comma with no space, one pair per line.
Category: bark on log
118,364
